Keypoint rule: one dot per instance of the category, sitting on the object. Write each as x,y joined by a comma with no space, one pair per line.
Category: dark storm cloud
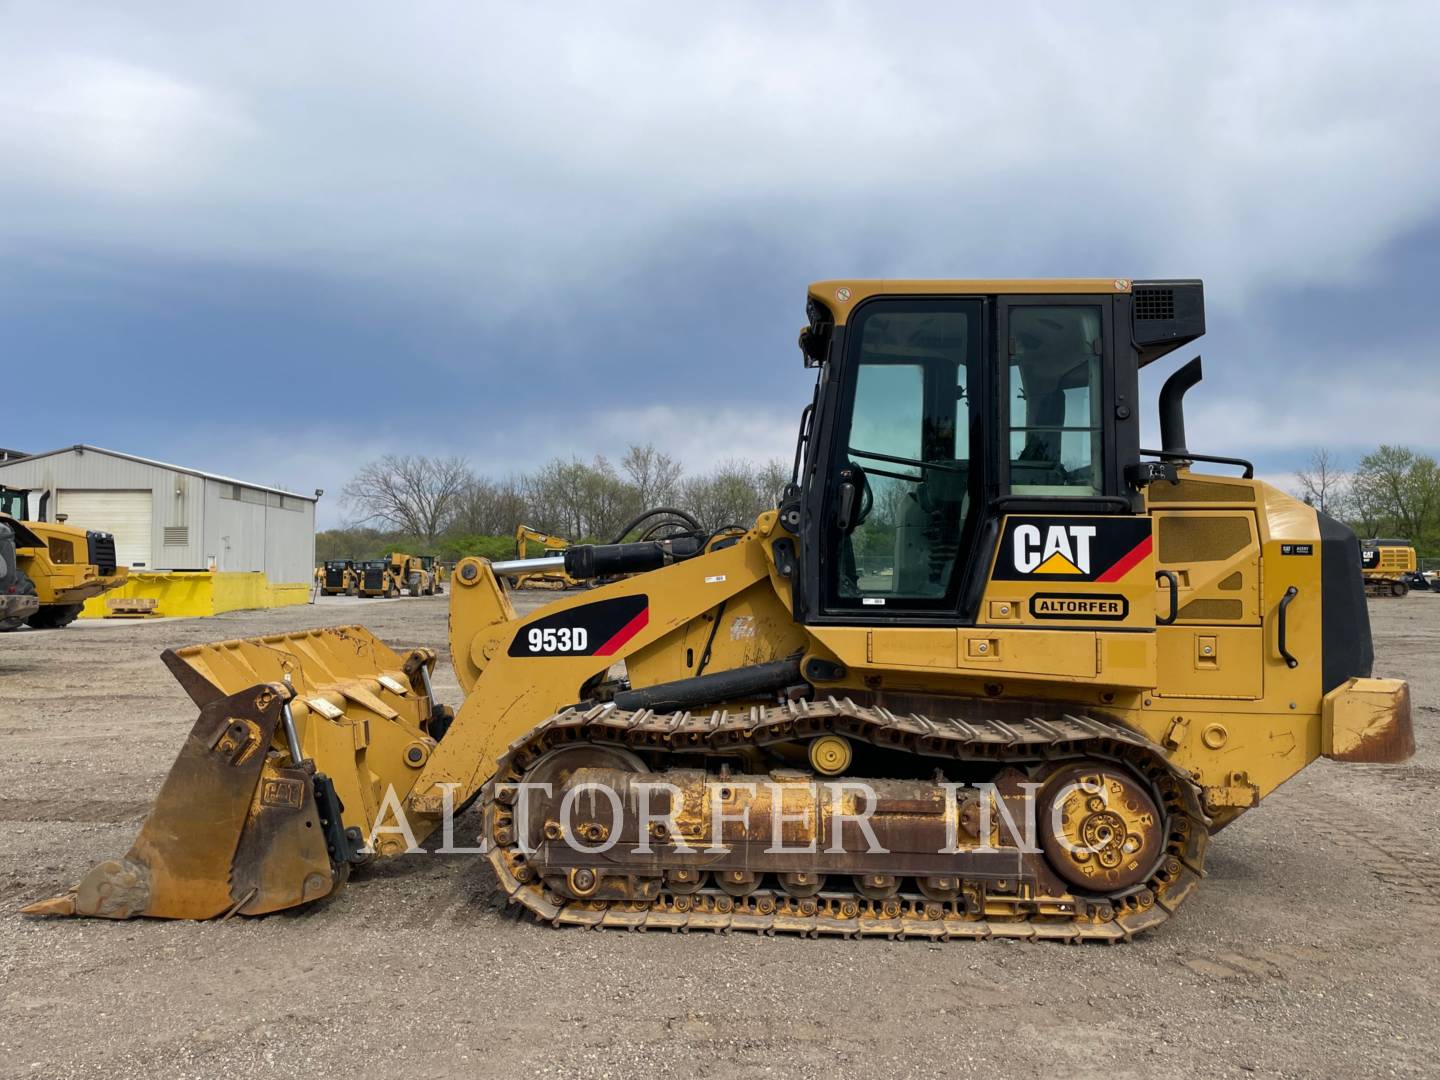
514,231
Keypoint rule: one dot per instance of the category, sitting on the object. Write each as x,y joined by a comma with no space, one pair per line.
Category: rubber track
1025,742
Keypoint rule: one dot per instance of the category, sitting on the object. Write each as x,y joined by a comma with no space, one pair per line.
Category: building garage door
127,514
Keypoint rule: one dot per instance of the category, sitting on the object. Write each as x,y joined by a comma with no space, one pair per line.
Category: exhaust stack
1172,406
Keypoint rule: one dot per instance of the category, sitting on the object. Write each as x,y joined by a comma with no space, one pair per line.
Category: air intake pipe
1172,406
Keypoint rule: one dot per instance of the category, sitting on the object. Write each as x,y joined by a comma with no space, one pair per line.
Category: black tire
1398,588
54,616
23,587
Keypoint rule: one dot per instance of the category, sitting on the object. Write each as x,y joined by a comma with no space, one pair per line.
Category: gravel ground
1310,950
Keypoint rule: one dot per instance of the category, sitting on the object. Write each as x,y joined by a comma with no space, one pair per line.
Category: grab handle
1169,576
1290,595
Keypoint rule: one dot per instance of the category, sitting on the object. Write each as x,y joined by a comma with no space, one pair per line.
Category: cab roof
841,294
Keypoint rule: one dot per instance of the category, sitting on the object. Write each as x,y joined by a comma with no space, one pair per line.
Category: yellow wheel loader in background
412,574
431,565
17,593
988,670
58,564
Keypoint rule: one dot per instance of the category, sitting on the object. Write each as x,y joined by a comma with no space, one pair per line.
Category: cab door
902,495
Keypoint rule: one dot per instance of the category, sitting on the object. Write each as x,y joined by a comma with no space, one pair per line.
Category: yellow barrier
197,593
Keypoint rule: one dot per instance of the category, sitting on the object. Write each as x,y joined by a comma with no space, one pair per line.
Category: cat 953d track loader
988,669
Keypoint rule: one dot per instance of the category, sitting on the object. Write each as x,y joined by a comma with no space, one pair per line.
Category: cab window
1052,400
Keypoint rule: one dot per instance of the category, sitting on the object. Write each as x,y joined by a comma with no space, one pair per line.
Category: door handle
1290,595
1174,582
845,507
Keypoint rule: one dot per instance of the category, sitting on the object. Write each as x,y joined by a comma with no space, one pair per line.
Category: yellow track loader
60,565
989,669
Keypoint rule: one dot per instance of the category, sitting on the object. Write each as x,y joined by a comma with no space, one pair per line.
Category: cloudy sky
276,239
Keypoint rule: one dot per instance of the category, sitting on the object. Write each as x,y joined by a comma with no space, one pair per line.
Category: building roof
88,449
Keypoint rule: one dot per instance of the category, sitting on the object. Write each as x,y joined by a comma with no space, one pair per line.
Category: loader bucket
282,776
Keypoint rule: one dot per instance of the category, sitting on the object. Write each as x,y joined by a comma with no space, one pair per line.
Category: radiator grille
177,535
1202,538
1207,610
102,551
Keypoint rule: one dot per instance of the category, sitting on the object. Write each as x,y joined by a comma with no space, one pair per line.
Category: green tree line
1391,492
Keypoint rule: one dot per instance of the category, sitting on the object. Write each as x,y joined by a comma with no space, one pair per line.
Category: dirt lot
1312,949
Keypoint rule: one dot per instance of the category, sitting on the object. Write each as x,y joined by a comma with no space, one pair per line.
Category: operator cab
16,503
941,407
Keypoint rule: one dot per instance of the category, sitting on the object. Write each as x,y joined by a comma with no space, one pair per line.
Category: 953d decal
598,629
1071,549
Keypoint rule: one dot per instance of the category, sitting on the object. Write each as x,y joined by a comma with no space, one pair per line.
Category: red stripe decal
625,633
1128,562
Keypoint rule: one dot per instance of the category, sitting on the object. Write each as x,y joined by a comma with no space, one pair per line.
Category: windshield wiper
912,462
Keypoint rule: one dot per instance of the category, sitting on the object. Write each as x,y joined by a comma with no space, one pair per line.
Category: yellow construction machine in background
549,546
17,594
374,579
432,565
413,573
60,565
1390,568
979,600
338,577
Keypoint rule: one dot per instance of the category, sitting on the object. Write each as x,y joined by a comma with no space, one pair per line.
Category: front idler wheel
1100,828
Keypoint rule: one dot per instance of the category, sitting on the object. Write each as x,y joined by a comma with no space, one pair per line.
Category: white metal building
167,517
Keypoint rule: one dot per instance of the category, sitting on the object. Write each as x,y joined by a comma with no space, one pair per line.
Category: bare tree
771,480
655,476
735,493
1322,483
413,494
491,507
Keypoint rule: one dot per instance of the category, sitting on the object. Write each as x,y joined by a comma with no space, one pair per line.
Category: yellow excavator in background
60,565
549,546
989,669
